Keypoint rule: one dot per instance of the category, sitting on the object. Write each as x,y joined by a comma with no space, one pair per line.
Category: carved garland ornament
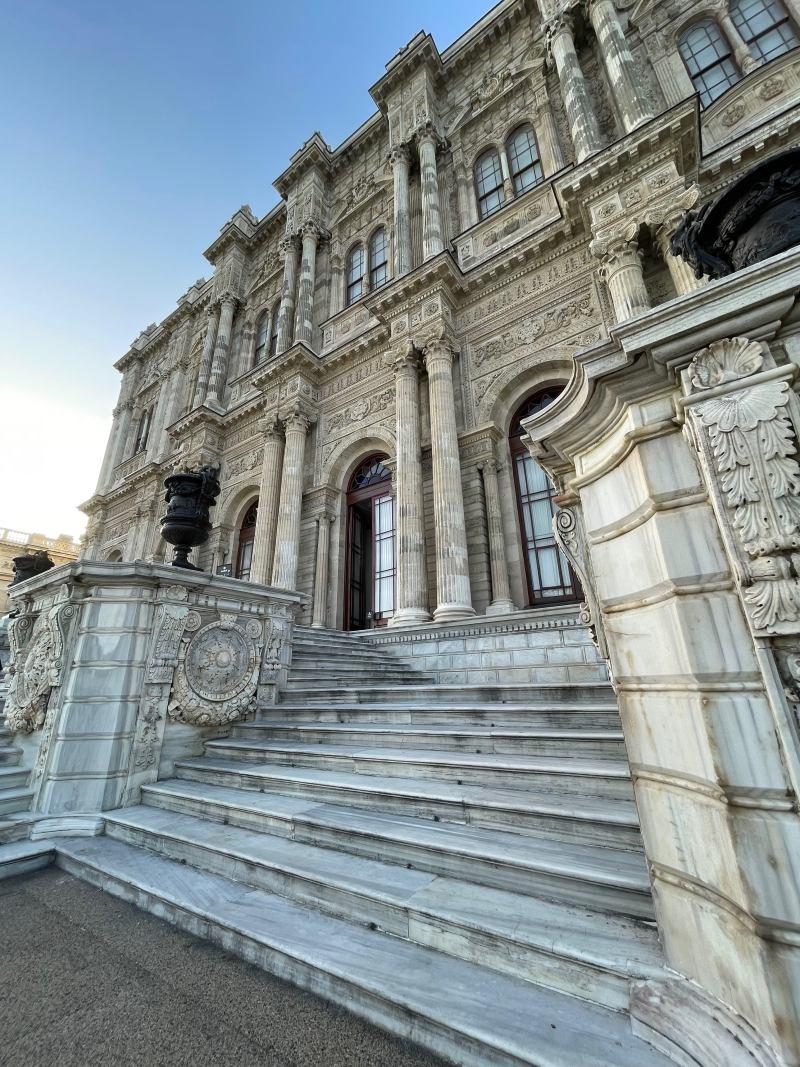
217,674
36,665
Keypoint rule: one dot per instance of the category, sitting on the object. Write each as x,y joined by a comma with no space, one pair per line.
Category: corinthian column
212,319
412,583
286,311
547,133
304,321
583,125
287,537
620,65
621,269
432,242
398,157
321,573
501,591
683,277
268,501
453,594
219,365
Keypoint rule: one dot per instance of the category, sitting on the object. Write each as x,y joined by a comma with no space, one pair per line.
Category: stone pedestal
113,664
453,593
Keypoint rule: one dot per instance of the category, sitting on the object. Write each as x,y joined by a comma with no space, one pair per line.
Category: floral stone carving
37,664
217,675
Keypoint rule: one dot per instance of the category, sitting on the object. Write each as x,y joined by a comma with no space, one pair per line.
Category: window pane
378,259
708,60
766,27
523,159
489,183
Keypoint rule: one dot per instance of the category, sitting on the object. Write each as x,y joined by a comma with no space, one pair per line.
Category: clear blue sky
129,133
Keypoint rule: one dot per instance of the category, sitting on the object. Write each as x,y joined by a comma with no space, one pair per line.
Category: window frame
273,333
382,264
350,281
725,61
752,39
262,343
535,164
497,190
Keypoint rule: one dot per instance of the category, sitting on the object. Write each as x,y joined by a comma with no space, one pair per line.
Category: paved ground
88,979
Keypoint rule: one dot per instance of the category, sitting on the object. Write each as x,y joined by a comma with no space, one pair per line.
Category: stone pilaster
583,125
547,133
290,254
682,275
398,158
212,321
741,51
219,365
412,585
466,197
304,320
287,537
620,65
453,593
501,590
268,501
621,269
320,611
432,239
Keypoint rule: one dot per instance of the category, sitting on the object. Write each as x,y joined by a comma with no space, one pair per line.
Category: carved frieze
360,410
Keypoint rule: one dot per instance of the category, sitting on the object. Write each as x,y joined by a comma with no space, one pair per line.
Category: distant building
61,549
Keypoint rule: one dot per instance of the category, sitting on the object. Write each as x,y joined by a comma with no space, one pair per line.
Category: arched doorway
244,551
370,560
547,571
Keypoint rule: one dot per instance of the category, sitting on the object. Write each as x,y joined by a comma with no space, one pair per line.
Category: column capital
326,515
270,427
288,243
405,360
439,348
297,420
489,464
313,228
616,248
229,299
425,132
399,153
562,22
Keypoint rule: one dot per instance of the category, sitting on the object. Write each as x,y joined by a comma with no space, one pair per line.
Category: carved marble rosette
743,417
37,663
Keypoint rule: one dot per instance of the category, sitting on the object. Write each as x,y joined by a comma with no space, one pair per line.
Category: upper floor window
765,26
489,183
378,259
523,160
144,430
262,330
273,336
708,59
355,275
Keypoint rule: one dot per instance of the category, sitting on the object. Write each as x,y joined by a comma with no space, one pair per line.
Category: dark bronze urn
756,217
190,496
29,565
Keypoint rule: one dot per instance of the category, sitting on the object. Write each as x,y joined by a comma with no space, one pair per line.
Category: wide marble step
15,824
491,713
426,693
595,955
478,739
10,755
15,798
470,1014
355,661
347,674
589,777
593,820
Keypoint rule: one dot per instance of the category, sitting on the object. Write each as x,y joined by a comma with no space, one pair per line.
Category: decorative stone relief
37,663
360,410
218,672
548,323
744,413
570,534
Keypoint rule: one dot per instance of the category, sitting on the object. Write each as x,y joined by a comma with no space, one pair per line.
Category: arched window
273,336
547,570
523,159
262,329
355,275
489,183
708,59
247,533
766,27
378,259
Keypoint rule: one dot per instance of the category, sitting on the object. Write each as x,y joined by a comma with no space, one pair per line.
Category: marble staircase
15,793
462,867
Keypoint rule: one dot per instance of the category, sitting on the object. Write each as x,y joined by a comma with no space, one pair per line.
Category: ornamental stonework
217,674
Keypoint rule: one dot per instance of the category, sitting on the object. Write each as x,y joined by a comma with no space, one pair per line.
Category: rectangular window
384,538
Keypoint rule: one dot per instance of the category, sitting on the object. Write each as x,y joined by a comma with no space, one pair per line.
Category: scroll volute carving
743,418
569,532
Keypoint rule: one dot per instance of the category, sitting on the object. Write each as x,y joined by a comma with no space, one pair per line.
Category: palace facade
361,358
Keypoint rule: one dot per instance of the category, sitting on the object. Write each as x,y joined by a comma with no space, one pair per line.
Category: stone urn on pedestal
29,565
190,496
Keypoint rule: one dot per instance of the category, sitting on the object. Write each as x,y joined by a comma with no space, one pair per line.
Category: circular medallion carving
219,662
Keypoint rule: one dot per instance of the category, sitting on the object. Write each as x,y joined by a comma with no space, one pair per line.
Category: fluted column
432,240
741,50
412,581
219,364
467,215
286,312
501,590
547,136
287,536
320,611
453,593
682,275
583,125
304,322
621,269
620,65
268,501
398,157
212,320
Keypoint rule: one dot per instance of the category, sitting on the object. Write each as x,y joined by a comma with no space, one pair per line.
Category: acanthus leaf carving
37,663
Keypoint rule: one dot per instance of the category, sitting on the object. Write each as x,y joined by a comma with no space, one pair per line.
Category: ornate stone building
61,549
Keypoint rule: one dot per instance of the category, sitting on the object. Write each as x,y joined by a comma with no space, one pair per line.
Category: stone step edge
409,1012
337,891
24,857
545,804
532,733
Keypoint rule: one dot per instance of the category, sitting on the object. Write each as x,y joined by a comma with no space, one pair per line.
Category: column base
453,612
501,607
409,617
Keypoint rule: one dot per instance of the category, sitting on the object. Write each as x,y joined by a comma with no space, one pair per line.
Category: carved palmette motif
218,672
741,419
37,664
